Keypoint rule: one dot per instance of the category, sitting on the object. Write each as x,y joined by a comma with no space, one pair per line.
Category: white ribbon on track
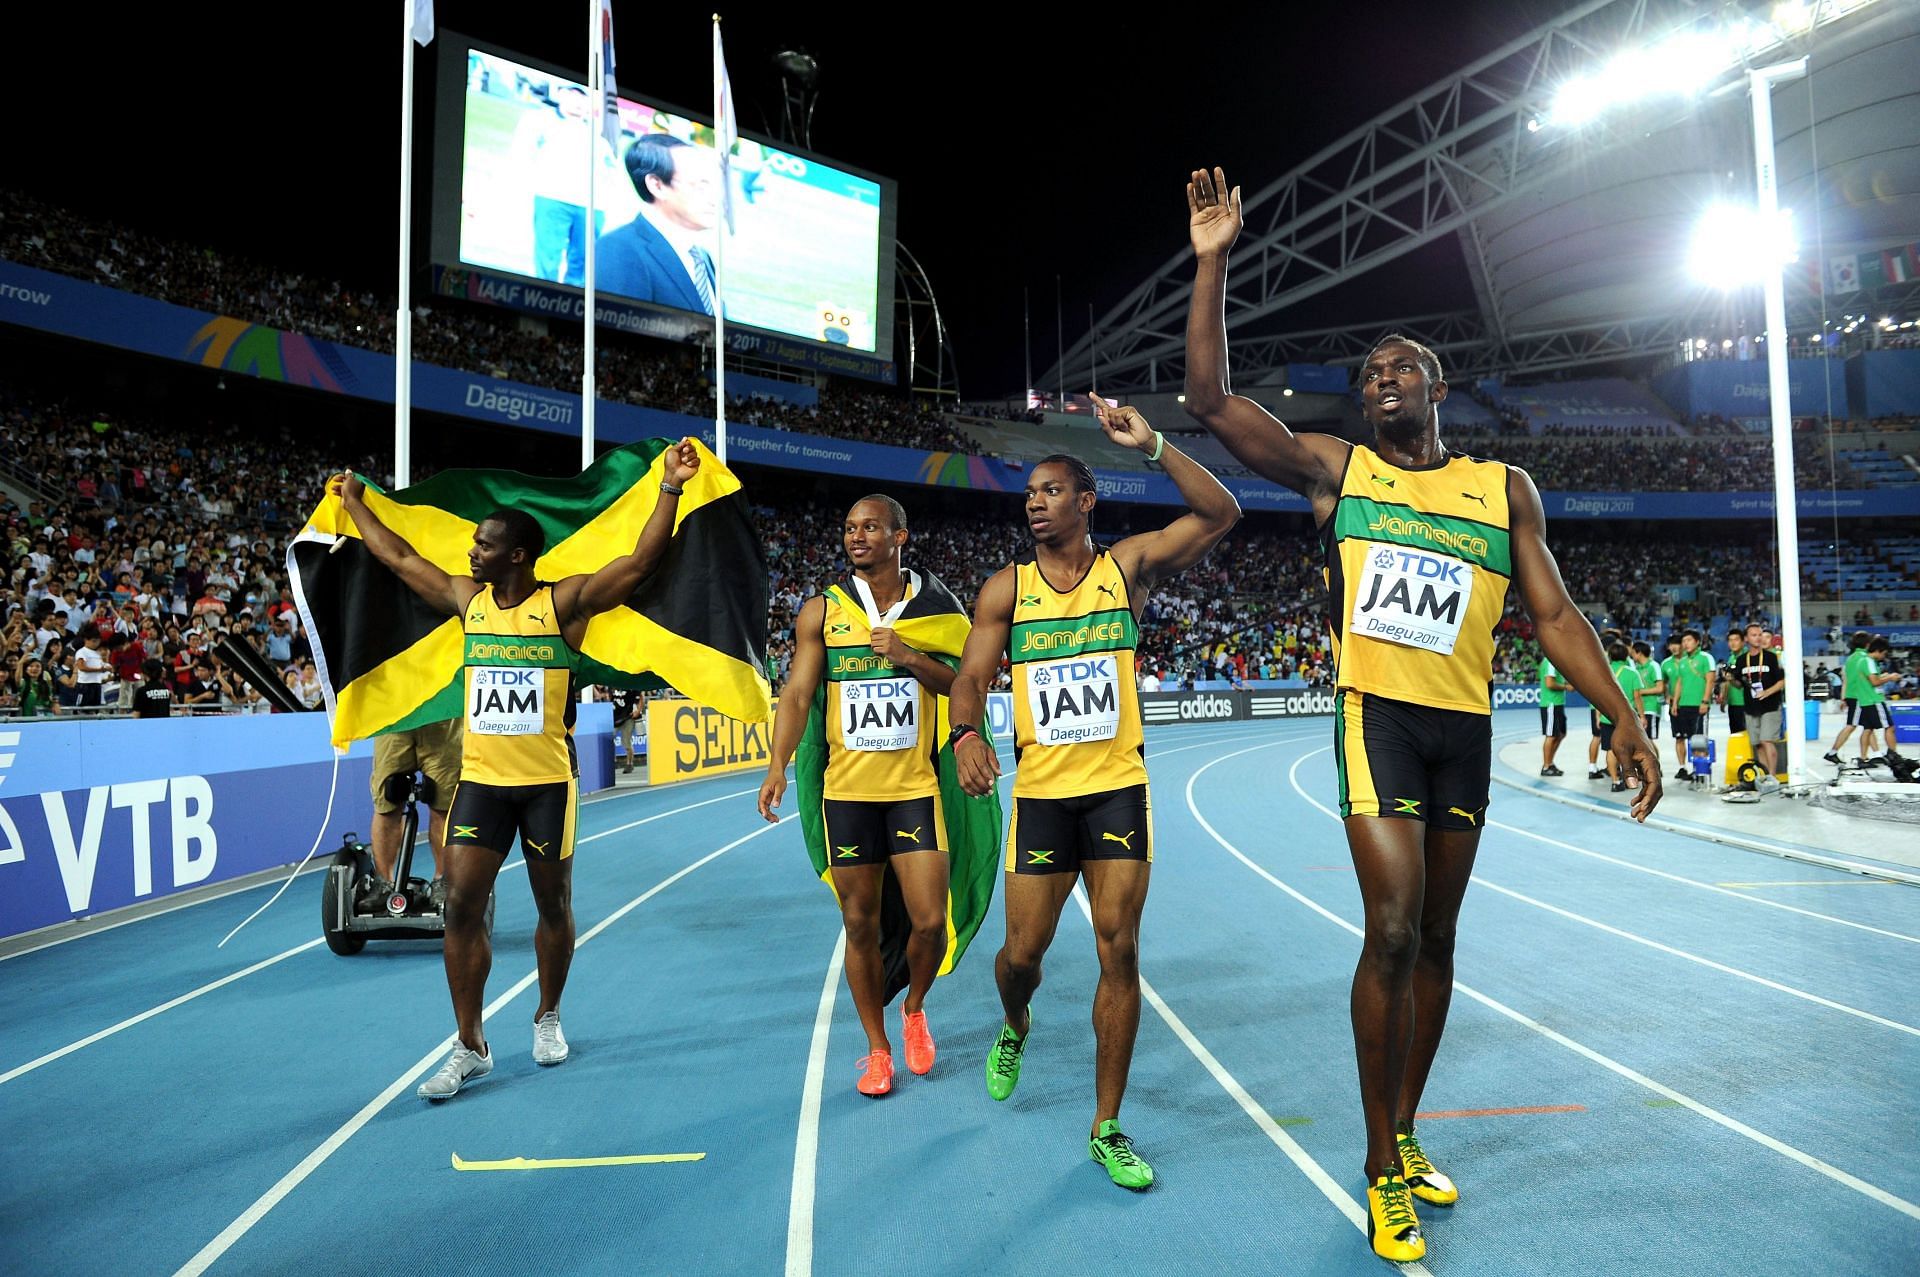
325,820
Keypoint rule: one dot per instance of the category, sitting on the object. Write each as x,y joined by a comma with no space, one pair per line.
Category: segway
358,905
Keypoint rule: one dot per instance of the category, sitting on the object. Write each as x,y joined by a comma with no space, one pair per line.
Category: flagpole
1093,352
719,263
597,94
403,312
1026,342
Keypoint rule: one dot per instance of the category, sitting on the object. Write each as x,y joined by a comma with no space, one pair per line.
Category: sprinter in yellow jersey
881,792
518,773
1068,619
1421,544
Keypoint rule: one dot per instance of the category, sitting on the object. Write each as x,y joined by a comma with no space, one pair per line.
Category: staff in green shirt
1727,689
1669,674
1860,682
1553,715
1690,690
1629,684
1652,690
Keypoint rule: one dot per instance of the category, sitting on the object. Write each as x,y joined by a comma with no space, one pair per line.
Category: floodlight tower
1760,82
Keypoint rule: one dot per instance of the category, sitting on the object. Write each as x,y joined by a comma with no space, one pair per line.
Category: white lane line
1832,1172
1481,880
292,1179
1304,1161
148,1014
806,1151
806,1146
1694,957
236,889
128,1023
1708,886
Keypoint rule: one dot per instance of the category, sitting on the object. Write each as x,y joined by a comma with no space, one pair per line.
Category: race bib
1412,597
1074,700
879,714
506,700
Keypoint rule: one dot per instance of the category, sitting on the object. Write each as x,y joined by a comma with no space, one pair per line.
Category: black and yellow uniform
881,791
1418,563
1080,791
518,772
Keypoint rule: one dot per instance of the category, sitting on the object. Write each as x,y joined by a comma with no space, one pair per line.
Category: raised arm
1211,509
796,701
979,662
1569,641
579,598
1310,464
441,592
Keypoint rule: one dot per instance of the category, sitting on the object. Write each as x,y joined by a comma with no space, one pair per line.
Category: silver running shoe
462,1067
549,1043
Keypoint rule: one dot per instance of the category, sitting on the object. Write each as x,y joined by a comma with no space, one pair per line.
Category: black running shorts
1553,720
1411,761
1686,721
489,816
1868,718
869,833
1054,835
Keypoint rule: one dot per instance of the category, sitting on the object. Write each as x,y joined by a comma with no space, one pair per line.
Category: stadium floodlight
1734,246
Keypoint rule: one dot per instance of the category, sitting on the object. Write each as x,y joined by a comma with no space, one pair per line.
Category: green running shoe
1003,1061
1115,1152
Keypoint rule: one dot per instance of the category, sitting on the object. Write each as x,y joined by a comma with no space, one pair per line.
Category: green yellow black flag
698,624
933,622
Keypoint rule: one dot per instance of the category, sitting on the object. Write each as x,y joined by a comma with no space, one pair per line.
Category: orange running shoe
878,1078
920,1050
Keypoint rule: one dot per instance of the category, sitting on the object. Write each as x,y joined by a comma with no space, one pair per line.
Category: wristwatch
961,730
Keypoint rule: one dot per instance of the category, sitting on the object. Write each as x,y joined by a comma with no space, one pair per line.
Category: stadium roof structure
1569,166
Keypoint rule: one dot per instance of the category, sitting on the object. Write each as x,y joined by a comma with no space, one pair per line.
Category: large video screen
803,248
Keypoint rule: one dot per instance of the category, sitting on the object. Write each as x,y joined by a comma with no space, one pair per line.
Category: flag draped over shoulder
932,622
698,624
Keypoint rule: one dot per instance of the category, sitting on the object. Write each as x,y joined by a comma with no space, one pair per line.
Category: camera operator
433,749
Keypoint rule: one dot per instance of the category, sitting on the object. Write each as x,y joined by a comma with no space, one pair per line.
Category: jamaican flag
932,622
698,624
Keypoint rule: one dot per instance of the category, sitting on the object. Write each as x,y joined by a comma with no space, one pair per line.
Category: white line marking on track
806,1146
1694,957
128,1023
1738,1127
292,1179
1304,1161
1721,888
150,1012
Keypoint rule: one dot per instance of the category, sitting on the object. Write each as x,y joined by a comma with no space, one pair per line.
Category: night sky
1026,142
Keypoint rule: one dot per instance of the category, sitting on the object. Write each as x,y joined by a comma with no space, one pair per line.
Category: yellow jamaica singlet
519,689
1076,706
882,725
1418,566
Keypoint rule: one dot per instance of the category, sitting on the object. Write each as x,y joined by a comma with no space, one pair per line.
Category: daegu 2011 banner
808,252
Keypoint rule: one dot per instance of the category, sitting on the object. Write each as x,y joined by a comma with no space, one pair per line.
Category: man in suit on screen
664,255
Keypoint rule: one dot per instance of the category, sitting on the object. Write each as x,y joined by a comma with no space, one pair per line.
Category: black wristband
960,732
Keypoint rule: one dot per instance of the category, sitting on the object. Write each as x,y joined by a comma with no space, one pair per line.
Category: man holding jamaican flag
493,596
909,855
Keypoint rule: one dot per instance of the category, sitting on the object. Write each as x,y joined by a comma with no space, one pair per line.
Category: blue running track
1647,1070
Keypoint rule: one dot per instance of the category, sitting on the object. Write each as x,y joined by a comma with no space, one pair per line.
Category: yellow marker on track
558,1163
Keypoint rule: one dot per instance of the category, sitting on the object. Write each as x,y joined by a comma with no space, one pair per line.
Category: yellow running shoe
1392,1226
1428,1184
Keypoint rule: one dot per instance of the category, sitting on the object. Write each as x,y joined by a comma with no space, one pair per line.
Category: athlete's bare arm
796,700
1568,639
1310,464
440,590
1211,509
580,598
979,662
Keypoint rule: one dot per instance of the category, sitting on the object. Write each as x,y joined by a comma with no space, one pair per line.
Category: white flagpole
403,313
596,94
719,268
